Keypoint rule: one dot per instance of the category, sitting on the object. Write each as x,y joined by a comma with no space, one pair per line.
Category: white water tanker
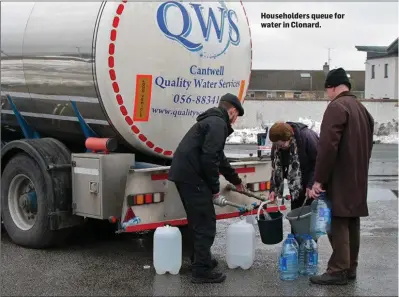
139,71
126,77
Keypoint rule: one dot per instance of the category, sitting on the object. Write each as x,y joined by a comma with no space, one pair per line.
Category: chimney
326,68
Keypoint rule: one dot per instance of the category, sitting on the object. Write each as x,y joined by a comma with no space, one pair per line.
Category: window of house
251,94
385,70
372,71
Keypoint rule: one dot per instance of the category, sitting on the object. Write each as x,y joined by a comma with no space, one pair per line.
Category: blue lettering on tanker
216,23
200,78
195,70
185,83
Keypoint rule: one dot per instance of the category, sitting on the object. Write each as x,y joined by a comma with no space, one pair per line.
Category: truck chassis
46,189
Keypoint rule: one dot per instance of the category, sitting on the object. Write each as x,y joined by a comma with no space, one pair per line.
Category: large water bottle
240,245
131,222
321,216
301,256
291,236
167,250
308,256
311,256
289,261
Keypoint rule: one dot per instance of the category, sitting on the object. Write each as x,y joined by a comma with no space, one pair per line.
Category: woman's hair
280,131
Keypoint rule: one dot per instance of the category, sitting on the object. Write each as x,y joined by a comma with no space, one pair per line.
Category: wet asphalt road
97,263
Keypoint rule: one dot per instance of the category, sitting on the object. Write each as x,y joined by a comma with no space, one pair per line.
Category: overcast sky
367,23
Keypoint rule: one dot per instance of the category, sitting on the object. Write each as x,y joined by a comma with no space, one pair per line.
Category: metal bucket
301,225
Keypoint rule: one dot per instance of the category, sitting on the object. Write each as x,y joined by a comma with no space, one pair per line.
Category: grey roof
292,80
393,47
374,52
371,49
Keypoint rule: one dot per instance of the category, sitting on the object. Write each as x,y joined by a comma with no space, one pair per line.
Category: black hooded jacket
307,141
199,157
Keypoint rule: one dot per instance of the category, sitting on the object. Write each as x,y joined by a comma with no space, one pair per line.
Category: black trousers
198,204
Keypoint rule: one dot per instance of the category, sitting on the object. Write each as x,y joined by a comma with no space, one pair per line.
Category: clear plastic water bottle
131,222
308,256
289,261
291,236
301,256
311,256
321,216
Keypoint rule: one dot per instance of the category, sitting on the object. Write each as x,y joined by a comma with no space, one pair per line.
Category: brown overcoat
343,156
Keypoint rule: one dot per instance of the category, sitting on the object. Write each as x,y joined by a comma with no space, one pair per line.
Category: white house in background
381,77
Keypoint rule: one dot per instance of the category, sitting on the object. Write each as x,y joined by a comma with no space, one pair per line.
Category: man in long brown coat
342,164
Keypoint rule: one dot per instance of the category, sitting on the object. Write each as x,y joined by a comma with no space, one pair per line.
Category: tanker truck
96,96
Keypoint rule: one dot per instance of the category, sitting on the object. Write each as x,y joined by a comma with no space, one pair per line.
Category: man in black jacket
195,170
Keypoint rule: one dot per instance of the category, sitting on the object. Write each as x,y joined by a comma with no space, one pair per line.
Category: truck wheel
24,205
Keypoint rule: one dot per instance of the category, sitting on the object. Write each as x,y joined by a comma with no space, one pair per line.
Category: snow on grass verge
383,132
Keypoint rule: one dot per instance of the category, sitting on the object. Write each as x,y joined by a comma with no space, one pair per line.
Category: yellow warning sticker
142,102
241,91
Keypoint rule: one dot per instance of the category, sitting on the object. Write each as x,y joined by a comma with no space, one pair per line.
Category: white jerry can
240,246
167,255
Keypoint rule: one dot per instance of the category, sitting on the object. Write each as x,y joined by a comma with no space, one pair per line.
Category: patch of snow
245,136
383,132
388,139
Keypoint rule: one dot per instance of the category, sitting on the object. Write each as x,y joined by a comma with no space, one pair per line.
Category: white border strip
86,171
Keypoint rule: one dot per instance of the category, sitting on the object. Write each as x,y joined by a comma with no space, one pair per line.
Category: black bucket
271,231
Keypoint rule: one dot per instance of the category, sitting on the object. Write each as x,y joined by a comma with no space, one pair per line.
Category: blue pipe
87,130
27,130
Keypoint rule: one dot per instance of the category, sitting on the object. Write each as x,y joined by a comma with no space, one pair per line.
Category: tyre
24,204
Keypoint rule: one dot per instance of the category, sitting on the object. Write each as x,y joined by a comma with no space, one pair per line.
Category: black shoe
338,278
215,263
351,275
210,277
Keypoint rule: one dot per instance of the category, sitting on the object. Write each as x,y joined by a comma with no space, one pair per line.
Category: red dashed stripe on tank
115,86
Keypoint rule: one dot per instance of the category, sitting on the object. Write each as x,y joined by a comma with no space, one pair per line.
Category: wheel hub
22,202
29,202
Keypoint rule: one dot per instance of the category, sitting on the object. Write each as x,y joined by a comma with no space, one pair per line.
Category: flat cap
233,100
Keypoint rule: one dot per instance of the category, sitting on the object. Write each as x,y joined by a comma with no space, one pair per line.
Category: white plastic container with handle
167,254
240,246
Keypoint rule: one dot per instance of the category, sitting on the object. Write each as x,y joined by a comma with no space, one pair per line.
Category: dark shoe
337,278
215,263
211,277
351,275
